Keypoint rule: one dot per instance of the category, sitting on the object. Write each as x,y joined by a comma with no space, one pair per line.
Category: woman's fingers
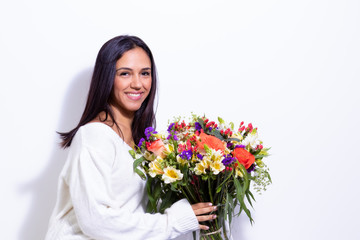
201,205
202,208
204,218
203,227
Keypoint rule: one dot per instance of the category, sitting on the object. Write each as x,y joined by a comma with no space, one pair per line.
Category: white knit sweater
100,197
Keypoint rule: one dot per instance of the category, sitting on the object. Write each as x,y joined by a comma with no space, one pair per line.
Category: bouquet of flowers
203,161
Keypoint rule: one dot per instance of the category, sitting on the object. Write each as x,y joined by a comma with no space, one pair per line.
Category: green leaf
201,122
248,198
268,175
151,200
157,191
259,163
232,139
207,149
221,121
232,126
245,177
137,163
225,181
216,133
240,196
247,211
166,201
132,153
252,196
239,190
140,173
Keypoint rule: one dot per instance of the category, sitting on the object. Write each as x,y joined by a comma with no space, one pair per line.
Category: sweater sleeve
97,215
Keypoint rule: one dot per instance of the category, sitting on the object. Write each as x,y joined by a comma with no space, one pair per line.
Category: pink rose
157,147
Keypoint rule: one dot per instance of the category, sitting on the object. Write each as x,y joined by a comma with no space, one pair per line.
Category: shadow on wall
43,189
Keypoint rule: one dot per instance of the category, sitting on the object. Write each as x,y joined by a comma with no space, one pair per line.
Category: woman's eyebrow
129,69
124,68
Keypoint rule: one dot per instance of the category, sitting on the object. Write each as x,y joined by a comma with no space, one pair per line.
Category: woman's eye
124,74
145,73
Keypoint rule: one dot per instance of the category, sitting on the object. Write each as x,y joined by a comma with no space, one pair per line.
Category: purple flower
251,168
172,135
229,145
240,146
200,156
186,154
141,142
228,160
149,131
197,126
170,127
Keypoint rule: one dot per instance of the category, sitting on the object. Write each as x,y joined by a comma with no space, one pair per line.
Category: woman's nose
135,82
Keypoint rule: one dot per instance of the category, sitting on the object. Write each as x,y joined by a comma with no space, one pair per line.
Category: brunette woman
99,195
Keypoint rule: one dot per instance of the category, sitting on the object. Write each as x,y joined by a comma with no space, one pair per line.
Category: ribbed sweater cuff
182,217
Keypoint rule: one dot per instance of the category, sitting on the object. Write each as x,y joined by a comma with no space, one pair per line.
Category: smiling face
132,81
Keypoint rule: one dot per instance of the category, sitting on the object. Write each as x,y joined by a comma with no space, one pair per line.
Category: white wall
289,67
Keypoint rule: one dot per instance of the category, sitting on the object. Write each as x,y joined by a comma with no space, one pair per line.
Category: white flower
169,148
200,169
155,167
238,173
216,156
217,167
181,160
252,140
171,175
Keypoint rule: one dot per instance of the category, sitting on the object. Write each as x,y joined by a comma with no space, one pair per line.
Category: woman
99,195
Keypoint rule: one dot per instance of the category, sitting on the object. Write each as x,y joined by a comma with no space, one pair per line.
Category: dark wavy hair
101,86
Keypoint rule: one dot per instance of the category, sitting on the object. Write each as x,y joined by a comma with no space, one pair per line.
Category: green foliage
227,188
221,121
262,179
136,163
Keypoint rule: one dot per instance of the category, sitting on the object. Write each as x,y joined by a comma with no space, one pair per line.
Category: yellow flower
200,169
227,151
155,167
216,156
238,173
217,167
169,148
171,175
206,162
194,158
181,160
149,156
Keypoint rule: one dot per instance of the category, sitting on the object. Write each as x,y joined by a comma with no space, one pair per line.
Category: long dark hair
101,86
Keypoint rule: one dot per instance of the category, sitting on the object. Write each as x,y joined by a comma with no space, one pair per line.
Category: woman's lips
134,95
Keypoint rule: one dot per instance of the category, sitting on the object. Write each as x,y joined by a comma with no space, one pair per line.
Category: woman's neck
123,122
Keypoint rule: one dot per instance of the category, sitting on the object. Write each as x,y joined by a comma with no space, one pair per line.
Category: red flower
244,157
210,141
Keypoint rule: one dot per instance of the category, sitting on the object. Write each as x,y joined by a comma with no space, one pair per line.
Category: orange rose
244,157
210,141
157,147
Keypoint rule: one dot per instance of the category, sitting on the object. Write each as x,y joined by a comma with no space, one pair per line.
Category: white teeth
134,94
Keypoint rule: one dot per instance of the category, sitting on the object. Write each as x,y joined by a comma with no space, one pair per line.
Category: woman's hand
202,208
